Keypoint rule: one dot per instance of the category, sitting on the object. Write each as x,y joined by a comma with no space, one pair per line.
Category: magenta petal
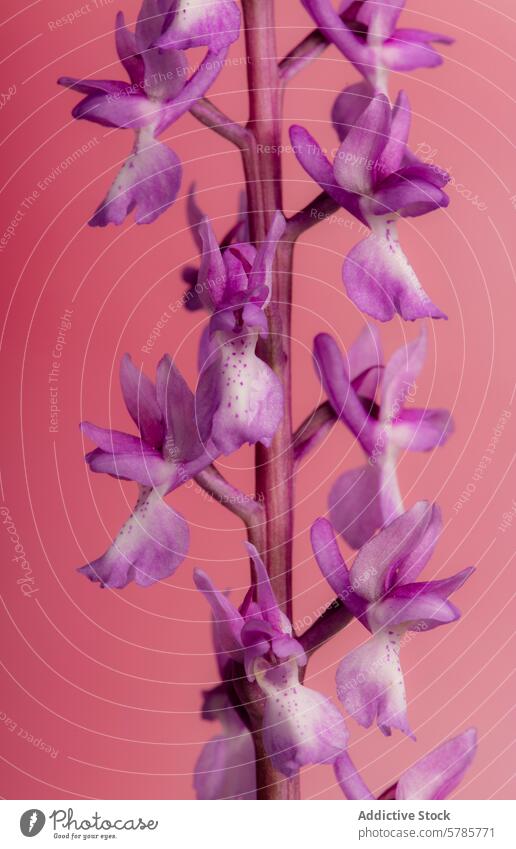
176,399
399,378
300,726
439,772
370,684
394,152
350,781
409,49
146,468
355,504
365,359
392,545
333,372
412,564
409,197
226,767
358,160
140,399
414,607
422,430
311,157
329,559
261,273
381,282
265,597
114,441
349,105
148,182
150,546
123,109
214,23
227,620
212,273
128,51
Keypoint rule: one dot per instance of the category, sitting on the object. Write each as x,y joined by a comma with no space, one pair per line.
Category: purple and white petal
370,684
351,782
300,726
332,369
358,162
141,401
380,280
422,430
355,504
409,49
196,23
239,399
149,547
438,773
372,566
148,182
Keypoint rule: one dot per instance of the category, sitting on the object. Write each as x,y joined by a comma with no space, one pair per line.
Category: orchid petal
150,546
141,401
439,772
370,684
148,182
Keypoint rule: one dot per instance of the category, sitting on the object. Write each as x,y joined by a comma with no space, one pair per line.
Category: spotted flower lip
366,33
159,92
240,398
381,590
378,180
154,540
258,628
364,499
300,726
434,776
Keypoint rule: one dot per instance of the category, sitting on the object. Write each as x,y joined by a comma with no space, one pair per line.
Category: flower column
274,465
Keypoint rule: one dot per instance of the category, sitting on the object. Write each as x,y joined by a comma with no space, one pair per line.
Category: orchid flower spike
159,92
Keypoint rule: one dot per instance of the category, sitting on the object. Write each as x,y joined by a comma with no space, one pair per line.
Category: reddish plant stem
274,465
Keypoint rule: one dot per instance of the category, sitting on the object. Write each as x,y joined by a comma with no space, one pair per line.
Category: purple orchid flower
433,776
365,32
238,233
226,766
158,93
378,180
240,398
154,541
381,591
300,726
365,499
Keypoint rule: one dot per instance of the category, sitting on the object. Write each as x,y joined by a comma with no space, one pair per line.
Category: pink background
112,680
